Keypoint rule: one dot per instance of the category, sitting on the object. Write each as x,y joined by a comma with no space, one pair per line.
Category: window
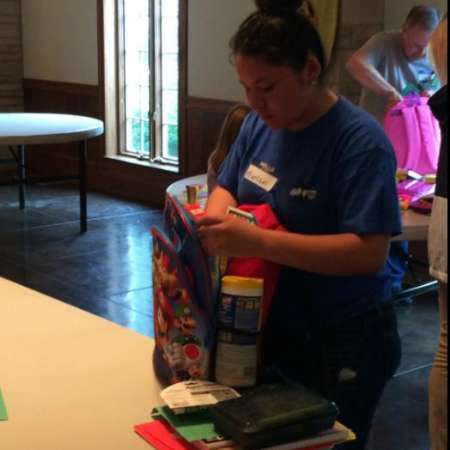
143,79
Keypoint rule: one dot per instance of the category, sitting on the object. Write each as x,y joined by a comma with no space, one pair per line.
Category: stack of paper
324,440
191,427
163,436
186,423
188,396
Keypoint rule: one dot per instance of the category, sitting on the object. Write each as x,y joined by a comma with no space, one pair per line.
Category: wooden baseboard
48,86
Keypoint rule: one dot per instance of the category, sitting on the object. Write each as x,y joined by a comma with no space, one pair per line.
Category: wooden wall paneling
204,120
11,64
131,181
64,98
60,97
11,71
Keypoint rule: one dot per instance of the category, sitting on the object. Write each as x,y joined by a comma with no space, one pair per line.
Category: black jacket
439,106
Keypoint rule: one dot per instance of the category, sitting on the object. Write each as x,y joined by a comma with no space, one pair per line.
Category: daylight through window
149,79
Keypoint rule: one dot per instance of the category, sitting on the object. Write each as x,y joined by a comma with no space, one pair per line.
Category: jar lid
242,285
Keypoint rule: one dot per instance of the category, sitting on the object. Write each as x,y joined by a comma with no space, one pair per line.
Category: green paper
192,426
3,412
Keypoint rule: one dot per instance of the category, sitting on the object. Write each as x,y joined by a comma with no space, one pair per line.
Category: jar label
236,359
240,313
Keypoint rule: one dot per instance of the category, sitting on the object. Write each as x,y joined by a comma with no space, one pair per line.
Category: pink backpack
414,133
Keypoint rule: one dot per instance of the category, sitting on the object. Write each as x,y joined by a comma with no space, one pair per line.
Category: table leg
418,289
21,174
82,187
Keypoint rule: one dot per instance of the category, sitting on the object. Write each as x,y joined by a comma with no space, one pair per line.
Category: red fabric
258,267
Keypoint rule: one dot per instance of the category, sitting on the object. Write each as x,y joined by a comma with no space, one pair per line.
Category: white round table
20,129
178,189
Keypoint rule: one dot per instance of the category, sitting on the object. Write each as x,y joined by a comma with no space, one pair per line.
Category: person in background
393,62
328,171
228,134
437,248
387,66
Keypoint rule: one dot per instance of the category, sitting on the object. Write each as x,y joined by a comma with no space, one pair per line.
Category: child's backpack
185,291
414,133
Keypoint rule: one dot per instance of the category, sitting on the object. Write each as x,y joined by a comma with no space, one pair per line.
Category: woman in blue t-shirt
328,171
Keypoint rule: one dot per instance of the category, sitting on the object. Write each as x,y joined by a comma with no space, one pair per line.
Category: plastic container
239,333
240,303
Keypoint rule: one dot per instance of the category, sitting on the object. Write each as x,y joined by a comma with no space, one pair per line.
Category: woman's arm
340,254
337,255
218,201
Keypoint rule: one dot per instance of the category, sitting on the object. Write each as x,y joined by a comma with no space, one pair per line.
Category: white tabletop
70,380
44,128
178,188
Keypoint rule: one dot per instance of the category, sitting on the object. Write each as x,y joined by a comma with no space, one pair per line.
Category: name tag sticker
260,178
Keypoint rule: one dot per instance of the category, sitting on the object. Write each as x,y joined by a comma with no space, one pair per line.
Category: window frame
112,93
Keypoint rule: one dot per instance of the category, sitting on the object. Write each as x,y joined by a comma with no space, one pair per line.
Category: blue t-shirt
336,176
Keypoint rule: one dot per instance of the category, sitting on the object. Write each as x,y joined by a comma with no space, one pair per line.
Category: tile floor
107,271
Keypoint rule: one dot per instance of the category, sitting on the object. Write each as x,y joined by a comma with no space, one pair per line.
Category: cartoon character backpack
185,291
414,133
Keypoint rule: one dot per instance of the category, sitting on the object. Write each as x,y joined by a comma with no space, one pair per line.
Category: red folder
162,436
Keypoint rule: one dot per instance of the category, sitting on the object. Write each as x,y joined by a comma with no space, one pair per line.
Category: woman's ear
312,69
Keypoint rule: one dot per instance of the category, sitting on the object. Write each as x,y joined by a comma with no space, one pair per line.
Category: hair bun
278,7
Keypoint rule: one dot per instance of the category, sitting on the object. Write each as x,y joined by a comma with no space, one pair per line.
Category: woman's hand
227,235
345,254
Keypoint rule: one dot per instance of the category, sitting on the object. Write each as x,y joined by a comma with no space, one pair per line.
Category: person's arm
361,68
218,201
337,255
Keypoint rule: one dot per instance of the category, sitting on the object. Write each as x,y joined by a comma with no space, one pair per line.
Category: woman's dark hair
279,34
